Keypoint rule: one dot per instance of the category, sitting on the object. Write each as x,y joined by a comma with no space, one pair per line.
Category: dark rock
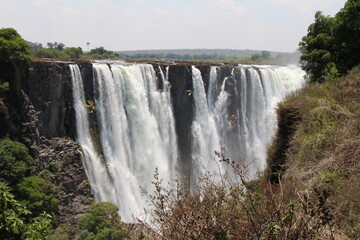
63,158
180,78
49,91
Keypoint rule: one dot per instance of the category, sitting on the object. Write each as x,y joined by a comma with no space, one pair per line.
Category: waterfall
204,132
137,128
258,89
101,184
137,133
262,88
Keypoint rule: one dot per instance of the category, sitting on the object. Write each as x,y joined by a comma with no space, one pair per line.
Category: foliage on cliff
15,56
15,222
332,45
13,48
14,161
26,203
101,221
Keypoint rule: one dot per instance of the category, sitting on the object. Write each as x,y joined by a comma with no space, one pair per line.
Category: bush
12,219
101,221
14,161
13,48
237,208
15,57
37,195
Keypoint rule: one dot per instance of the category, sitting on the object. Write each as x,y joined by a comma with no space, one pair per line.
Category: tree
50,45
256,57
37,195
265,55
14,161
15,55
347,35
60,46
13,48
101,221
332,45
318,47
12,219
74,52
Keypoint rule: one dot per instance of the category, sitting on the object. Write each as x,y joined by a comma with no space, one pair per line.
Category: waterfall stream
137,128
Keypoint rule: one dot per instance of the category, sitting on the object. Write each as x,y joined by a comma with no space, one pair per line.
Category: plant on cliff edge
13,48
101,221
14,161
15,56
37,196
13,215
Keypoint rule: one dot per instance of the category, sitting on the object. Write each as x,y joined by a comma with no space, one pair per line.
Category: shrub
12,219
236,208
37,195
101,221
14,161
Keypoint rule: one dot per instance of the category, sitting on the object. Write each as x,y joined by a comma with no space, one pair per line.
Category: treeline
260,57
332,46
60,51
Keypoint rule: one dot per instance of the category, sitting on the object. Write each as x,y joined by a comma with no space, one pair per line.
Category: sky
274,25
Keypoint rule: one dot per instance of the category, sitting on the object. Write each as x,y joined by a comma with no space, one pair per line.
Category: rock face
50,92
60,160
180,78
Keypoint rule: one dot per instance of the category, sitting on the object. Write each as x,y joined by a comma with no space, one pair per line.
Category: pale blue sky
276,25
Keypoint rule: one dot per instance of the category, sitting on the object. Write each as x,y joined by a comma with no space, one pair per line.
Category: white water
204,132
101,184
137,131
137,126
259,90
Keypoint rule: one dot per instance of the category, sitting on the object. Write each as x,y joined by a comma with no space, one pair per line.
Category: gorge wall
131,119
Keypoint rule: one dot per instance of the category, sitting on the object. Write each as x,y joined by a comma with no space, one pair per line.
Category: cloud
227,6
162,13
306,5
151,24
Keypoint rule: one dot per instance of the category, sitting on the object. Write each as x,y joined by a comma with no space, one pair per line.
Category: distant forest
245,56
60,51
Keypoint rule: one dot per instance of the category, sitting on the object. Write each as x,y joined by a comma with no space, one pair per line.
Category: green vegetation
263,57
14,161
59,51
100,53
13,48
37,196
332,45
28,214
101,221
55,50
14,223
15,56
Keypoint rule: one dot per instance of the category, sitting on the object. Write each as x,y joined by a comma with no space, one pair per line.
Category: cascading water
101,184
259,89
137,133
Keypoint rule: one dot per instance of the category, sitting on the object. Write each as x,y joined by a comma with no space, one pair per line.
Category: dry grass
324,149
